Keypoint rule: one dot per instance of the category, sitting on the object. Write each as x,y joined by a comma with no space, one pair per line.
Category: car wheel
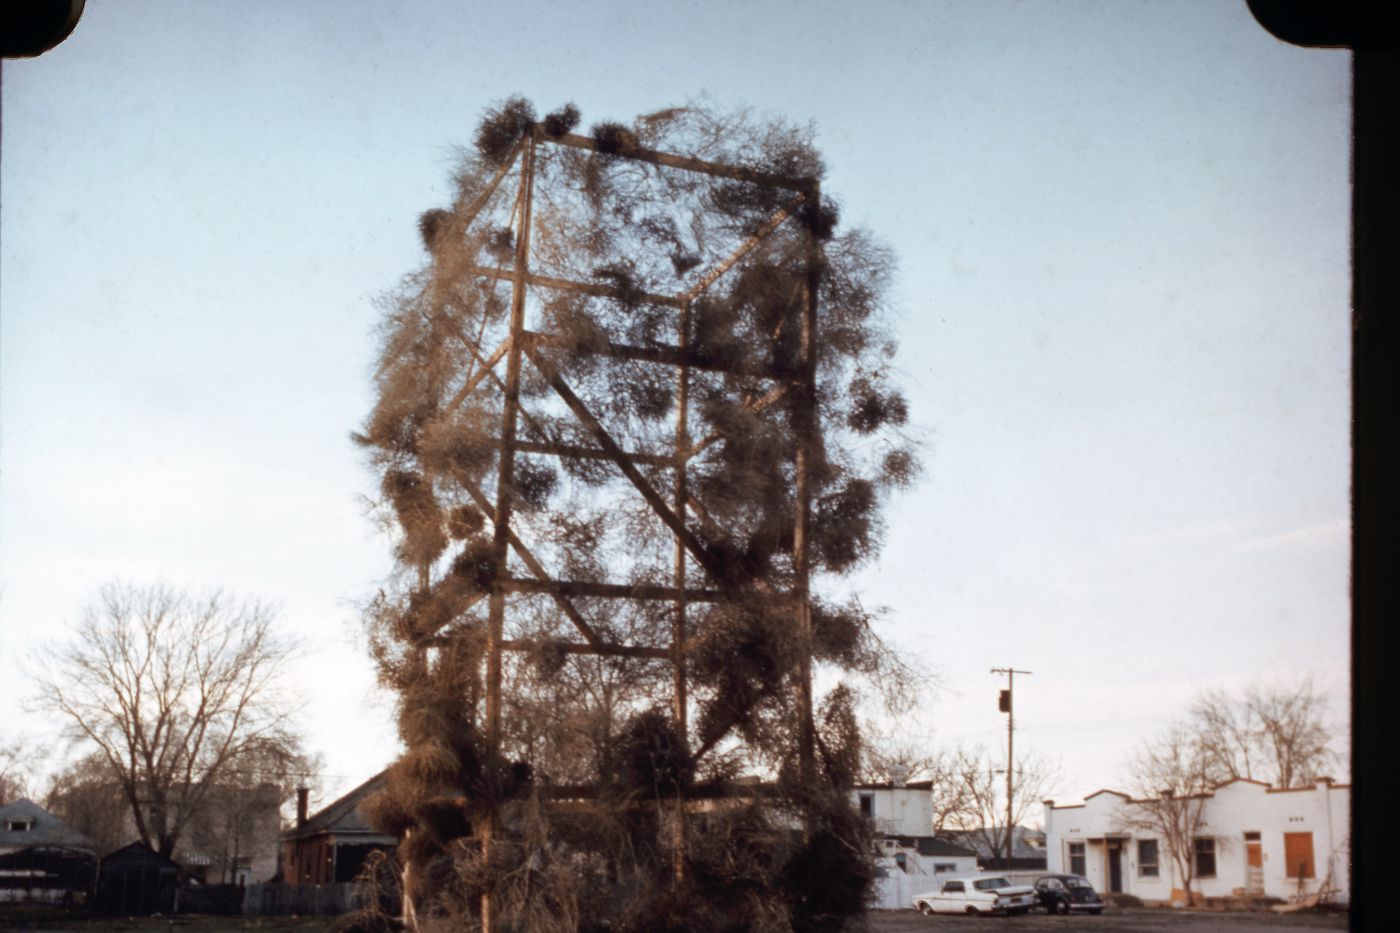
926,909
1062,907
971,911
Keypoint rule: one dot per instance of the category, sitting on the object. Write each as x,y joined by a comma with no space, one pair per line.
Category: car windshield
991,884
1078,883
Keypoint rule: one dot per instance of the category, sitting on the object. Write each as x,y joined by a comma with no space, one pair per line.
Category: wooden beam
589,453
669,355
583,288
487,366
588,588
744,249
538,569
474,208
604,650
629,469
755,406
717,169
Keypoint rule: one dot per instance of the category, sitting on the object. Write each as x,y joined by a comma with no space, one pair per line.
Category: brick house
331,846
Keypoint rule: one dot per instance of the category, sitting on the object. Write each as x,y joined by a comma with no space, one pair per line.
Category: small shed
135,881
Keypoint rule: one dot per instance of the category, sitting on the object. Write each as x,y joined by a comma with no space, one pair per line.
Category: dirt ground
1125,920
181,923
886,921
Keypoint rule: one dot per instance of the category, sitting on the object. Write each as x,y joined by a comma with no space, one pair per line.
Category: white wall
1234,809
899,811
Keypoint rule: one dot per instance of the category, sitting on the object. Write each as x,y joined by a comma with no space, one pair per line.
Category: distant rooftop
24,823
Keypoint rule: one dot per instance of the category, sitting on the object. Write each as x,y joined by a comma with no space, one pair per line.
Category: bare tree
88,797
1275,732
174,691
983,780
240,815
888,754
1172,779
16,770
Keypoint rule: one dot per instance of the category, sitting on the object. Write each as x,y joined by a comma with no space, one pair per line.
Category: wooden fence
306,899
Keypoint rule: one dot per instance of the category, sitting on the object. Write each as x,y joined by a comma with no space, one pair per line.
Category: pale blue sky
1122,231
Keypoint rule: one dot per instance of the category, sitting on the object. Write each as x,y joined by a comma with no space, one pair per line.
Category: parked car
977,894
1060,894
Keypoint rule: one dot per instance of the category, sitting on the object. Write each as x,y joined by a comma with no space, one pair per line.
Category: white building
1255,841
896,808
909,860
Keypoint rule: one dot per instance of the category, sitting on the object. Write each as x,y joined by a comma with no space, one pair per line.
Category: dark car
1060,894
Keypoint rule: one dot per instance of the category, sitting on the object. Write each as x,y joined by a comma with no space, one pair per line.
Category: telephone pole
1004,704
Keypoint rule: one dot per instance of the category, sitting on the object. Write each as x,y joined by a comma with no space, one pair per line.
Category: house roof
932,845
45,829
341,817
1116,793
1021,847
137,853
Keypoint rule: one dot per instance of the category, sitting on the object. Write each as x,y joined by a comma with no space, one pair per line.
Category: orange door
1254,858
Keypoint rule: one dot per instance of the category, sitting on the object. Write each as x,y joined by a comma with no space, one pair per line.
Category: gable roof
342,816
46,829
1116,793
1020,842
137,853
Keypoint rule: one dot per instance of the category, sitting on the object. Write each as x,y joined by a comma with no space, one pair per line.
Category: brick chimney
302,794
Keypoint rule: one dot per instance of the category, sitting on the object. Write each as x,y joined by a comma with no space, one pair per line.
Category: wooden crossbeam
588,588
668,355
487,367
589,453
538,569
569,647
583,288
702,555
671,160
755,406
744,249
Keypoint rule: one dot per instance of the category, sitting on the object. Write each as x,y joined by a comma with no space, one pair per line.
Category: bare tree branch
1172,780
175,692
1274,732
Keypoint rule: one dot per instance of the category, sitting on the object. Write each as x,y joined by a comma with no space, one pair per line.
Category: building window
1298,855
867,806
1205,857
1076,858
18,826
1147,858
944,868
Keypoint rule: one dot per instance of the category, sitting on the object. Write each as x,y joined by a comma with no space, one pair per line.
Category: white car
978,894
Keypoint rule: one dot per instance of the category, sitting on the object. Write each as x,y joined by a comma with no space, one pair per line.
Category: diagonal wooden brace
744,249
486,368
537,568
697,549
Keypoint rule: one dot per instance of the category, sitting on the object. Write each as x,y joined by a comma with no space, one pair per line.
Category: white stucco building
908,858
1256,841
